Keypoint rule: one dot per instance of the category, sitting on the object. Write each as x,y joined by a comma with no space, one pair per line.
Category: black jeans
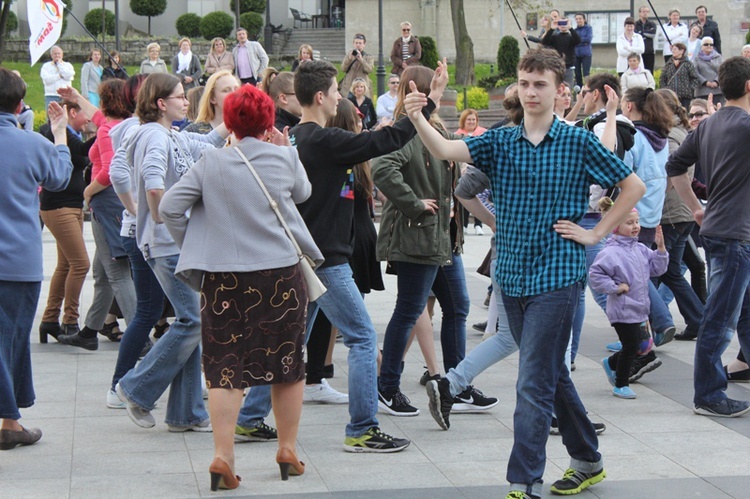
622,361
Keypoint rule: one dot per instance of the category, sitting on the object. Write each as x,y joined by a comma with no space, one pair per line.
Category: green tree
188,25
148,8
253,23
258,6
6,24
464,46
215,24
508,55
93,21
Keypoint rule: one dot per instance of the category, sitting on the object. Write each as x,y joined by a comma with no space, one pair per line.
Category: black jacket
648,31
71,196
564,43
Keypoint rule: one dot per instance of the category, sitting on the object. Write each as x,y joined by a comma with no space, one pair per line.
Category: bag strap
274,205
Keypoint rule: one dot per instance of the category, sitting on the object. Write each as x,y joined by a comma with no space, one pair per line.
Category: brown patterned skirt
253,326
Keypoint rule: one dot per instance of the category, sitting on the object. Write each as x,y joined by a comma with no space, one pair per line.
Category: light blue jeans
344,306
176,357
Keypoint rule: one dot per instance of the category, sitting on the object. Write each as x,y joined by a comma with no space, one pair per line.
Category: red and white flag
45,24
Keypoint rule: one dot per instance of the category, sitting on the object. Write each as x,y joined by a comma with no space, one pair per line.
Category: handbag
315,287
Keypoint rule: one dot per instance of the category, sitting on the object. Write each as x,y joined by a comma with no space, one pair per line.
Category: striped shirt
535,186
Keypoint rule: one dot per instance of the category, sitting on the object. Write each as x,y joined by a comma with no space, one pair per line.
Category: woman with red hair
249,338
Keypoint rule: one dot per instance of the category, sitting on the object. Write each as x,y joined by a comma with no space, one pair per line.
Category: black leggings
622,361
317,348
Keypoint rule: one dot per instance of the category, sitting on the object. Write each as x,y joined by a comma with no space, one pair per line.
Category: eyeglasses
697,115
405,30
584,92
393,83
183,97
708,44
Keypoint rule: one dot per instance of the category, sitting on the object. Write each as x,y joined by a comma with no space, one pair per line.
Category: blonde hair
357,80
206,109
465,114
217,39
151,46
605,204
185,39
307,47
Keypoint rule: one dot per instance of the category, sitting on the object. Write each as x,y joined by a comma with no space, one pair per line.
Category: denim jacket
625,260
583,49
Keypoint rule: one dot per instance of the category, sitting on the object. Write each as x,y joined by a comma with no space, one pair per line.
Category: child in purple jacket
622,271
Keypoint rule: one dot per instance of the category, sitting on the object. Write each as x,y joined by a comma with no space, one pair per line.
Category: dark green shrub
216,24
508,55
93,21
429,52
188,25
747,37
11,24
253,23
248,6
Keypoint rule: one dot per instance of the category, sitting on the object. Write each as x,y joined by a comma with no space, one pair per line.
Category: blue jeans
176,356
345,308
487,353
583,68
149,308
727,309
691,308
587,222
18,301
414,283
541,326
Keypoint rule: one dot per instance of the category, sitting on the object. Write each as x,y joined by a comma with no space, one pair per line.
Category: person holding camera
356,64
564,40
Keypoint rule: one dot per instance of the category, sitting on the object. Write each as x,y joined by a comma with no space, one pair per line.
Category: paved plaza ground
654,446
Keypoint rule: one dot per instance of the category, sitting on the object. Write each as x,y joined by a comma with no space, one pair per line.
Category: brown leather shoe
27,436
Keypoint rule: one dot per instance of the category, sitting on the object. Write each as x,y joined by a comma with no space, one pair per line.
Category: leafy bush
253,23
216,24
478,99
93,21
11,24
429,52
248,6
40,118
188,25
508,55
747,37
657,77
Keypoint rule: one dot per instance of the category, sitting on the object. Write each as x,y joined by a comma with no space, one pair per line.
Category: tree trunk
149,25
3,23
464,46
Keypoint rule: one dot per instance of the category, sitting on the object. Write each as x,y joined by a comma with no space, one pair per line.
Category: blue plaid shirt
533,188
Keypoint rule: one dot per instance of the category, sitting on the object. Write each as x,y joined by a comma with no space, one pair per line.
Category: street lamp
380,72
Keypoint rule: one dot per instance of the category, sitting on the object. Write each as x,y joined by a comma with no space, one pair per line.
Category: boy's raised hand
612,99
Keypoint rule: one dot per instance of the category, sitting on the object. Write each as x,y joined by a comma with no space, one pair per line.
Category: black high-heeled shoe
222,476
49,329
289,464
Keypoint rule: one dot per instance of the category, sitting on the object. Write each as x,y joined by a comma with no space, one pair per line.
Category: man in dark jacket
647,29
710,27
561,38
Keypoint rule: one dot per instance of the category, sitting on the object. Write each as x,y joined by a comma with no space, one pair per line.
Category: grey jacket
675,210
90,79
194,71
159,157
707,71
256,56
231,227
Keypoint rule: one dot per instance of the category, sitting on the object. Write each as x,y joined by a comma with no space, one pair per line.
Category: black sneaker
396,404
554,429
440,401
472,400
642,365
480,326
375,440
574,481
727,408
426,377
261,433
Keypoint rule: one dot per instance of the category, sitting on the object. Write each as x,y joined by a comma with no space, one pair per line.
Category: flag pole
517,23
104,50
660,23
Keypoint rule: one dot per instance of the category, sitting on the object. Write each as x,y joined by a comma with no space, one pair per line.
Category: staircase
330,42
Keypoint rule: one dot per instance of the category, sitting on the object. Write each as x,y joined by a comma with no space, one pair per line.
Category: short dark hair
12,91
313,77
597,81
581,14
733,76
112,103
360,36
629,20
701,7
541,60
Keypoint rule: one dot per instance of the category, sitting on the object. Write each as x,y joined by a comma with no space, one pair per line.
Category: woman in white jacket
636,75
629,42
676,31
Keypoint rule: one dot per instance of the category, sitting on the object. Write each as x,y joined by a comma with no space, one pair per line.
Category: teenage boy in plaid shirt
540,173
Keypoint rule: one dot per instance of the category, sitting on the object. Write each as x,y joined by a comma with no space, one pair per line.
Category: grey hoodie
159,157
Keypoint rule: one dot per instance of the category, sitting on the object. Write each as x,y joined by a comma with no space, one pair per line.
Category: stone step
331,43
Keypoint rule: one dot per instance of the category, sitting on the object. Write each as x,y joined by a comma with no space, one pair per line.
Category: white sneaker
478,230
324,394
203,427
113,401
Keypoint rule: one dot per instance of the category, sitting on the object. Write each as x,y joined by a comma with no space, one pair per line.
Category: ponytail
652,107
